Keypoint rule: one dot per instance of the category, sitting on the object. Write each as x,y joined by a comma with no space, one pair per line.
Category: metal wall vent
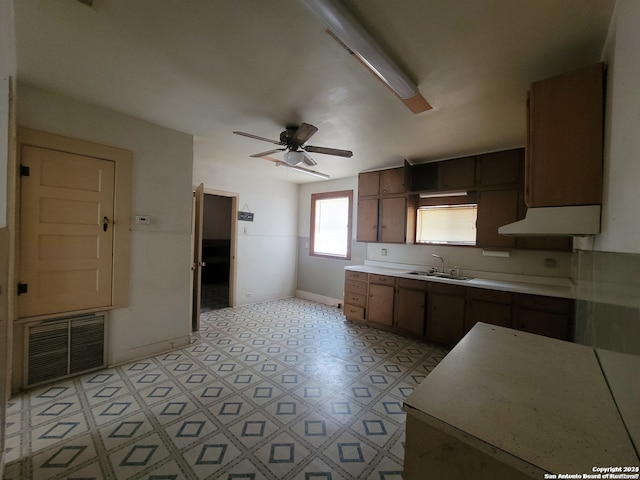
64,347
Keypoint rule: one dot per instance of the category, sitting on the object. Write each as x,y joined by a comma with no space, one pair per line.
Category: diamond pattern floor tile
278,390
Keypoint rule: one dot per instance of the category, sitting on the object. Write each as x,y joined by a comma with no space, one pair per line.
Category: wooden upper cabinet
367,225
424,177
393,219
458,173
496,208
392,181
565,139
499,168
368,183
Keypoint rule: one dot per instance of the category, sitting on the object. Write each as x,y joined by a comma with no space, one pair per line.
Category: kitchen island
509,405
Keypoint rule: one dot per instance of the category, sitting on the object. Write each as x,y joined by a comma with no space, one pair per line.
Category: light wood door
66,232
197,264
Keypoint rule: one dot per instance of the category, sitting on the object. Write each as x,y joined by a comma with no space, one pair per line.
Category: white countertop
531,286
537,404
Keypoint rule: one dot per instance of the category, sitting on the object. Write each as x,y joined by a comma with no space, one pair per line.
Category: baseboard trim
334,302
147,351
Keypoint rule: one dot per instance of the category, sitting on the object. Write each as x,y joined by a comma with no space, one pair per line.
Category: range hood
573,221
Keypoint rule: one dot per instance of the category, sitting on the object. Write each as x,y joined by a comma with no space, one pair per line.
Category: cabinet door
410,309
458,173
554,325
499,168
393,213
487,312
424,177
496,208
380,307
392,181
368,183
367,220
565,139
445,322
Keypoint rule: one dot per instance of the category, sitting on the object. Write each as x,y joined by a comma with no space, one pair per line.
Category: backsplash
471,259
608,300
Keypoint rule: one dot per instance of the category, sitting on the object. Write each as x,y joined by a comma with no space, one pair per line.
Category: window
331,224
452,224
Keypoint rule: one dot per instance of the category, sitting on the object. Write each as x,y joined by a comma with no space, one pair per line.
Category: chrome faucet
441,259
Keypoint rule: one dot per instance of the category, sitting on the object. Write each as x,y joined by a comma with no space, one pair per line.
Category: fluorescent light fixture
349,31
443,194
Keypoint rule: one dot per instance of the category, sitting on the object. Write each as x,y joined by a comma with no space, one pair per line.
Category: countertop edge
502,285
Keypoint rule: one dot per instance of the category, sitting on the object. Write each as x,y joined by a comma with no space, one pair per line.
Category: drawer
544,304
494,296
355,299
349,275
447,289
355,286
382,279
411,284
353,312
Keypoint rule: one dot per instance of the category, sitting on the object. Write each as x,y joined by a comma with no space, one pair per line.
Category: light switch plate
143,219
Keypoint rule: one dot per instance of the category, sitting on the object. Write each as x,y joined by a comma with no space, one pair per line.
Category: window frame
327,196
435,201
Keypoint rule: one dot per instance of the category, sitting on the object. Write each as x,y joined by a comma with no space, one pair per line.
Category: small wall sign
245,216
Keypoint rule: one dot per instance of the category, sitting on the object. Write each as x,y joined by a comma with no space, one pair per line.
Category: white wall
266,247
608,267
7,70
620,219
157,317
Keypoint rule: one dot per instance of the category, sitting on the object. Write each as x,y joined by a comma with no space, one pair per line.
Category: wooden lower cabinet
380,301
488,306
411,300
542,315
445,320
355,295
444,313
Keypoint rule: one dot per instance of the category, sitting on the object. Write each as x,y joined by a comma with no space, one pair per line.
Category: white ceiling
209,67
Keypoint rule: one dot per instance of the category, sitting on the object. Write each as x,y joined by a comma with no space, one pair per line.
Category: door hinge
23,288
24,171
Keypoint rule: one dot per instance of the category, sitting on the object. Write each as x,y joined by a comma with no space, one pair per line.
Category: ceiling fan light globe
293,158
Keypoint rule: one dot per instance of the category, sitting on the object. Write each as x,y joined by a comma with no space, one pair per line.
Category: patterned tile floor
276,390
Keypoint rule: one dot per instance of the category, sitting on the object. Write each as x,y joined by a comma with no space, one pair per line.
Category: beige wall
157,318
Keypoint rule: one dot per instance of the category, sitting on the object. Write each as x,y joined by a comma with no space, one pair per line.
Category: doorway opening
217,215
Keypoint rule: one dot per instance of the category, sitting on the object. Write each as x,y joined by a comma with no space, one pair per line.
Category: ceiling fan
293,142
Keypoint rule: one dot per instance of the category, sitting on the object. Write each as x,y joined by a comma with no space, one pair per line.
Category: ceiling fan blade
303,133
268,152
304,170
250,135
329,151
308,159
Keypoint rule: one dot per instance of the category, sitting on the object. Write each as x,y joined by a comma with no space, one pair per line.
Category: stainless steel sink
438,275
